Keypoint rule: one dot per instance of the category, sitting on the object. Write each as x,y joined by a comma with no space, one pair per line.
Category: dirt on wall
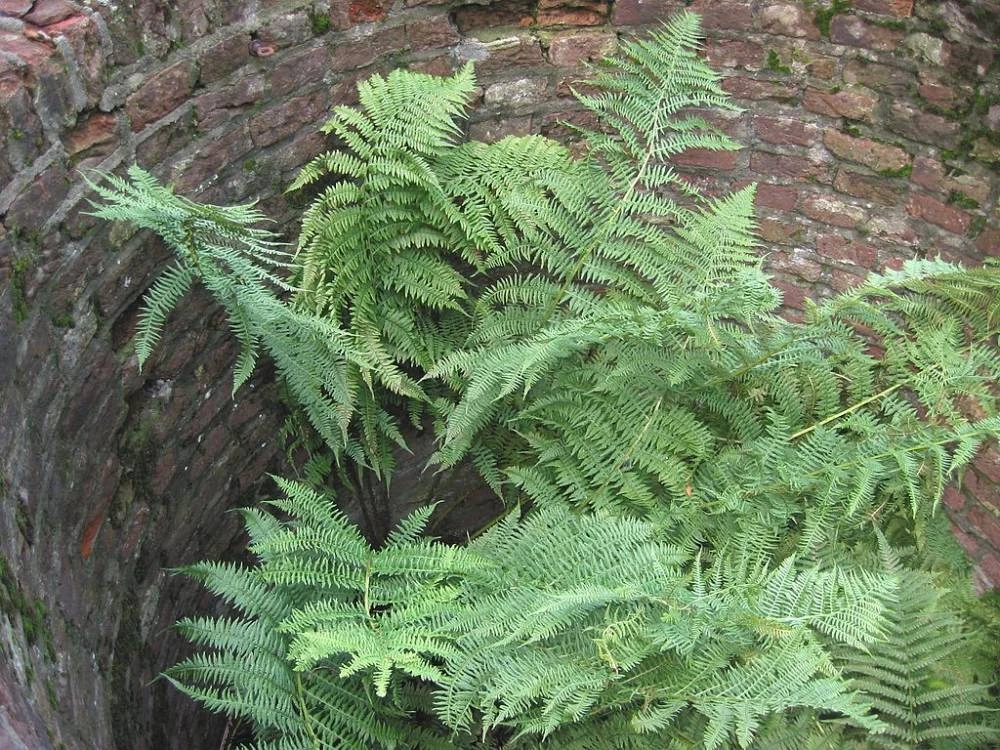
872,128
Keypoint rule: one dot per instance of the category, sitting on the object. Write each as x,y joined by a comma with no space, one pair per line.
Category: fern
702,495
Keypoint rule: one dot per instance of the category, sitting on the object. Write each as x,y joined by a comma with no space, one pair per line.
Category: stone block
855,103
785,131
852,31
517,93
778,197
734,53
639,12
883,190
788,20
46,12
878,156
938,213
571,48
224,57
923,127
707,159
347,13
793,168
160,94
838,248
431,33
829,210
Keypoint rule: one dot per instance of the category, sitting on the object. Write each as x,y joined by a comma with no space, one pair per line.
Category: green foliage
701,494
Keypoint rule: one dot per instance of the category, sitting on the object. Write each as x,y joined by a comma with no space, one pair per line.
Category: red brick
15,7
95,135
898,8
779,197
986,525
786,131
783,165
924,127
988,568
640,12
931,209
854,32
160,94
832,211
272,125
365,51
878,156
214,156
220,104
46,12
940,96
954,499
854,103
797,263
843,250
877,76
223,58
428,33
748,88
876,189
499,13
734,53
967,541
570,17
347,13
299,70
788,20
779,232
843,280
988,242
723,15
571,48
988,462
927,172
793,296
700,157
523,52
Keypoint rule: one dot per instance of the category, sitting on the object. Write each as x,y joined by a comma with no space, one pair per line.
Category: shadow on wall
873,128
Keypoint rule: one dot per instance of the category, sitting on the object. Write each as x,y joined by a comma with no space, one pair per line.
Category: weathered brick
785,130
638,12
779,197
515,51
85,42
927,172
986,524
893,228
46,12
832,211
365,51
931,209
799,263
271,125
939,95
741,87
988,463
220,104
517,93
15,7
571,48
223,58
35,205
841,249
786,166
788,20
874,75
875,189
924,127
214,155
160,94
878,156
592,14
898,8
707,159
500,13
988,242
723,15
854,32
301,70
988,567
779,232
855,103
793,295
734,53
431,32
94,135
495,128
347,13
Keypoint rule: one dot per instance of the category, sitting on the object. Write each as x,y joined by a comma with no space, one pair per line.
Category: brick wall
874,132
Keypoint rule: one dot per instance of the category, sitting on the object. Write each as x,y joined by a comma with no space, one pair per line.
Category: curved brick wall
874,132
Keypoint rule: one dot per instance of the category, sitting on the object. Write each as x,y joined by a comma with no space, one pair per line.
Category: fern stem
845,412
306,718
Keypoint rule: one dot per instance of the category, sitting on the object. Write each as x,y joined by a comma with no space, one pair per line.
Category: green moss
18,287
17,134
774,63
63,320
962,200
896,24
977,226
249,165
320,22
851,129
825,14
905,171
